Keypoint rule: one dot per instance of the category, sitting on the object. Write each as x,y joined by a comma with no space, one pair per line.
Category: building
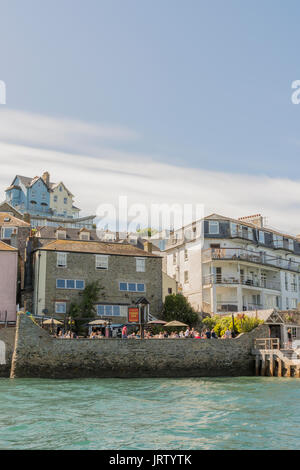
223,264
15,232
63,268
169,285
8,282
45,202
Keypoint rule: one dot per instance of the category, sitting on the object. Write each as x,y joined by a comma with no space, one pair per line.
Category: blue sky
201,84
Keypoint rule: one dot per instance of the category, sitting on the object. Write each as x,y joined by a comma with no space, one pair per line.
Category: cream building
235,265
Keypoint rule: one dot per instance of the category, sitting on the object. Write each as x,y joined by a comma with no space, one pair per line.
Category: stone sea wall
37,354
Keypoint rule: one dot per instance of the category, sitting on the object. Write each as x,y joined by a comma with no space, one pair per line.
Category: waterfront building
62,269
229,265
8,282
45,202
14,232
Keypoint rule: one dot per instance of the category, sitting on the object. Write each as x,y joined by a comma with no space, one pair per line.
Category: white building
234,265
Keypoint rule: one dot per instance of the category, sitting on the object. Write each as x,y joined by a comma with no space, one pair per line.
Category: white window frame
60,303
61,254
132,291
211,224
13,230
140,265
105,314
101,262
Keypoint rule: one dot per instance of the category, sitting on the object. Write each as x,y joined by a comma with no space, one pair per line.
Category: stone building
8,282
64,267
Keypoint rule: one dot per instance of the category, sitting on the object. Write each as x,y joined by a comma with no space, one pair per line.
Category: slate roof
12,222
71,233
104,248
6,247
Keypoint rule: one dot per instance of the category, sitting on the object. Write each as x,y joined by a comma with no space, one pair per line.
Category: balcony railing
262,284
240,254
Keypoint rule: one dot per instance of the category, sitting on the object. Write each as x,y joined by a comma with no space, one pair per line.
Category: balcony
228,306
240,254
234,280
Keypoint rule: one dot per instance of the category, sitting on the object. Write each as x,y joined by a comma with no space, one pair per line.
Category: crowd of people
148,334
188,333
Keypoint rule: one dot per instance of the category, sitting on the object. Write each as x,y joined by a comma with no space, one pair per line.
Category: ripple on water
198,413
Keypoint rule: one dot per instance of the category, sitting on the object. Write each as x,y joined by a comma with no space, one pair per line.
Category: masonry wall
82,266
37,354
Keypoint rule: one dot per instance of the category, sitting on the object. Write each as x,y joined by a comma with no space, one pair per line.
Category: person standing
124,332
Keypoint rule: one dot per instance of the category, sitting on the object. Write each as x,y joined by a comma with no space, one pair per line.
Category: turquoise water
221,413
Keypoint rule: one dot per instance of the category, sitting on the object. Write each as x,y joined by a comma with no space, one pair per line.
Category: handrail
266,343
247,255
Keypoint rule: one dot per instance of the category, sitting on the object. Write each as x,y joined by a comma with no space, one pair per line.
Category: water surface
212,413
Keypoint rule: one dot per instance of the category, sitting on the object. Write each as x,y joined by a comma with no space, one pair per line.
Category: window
70,284
61,234
65,200
291,244
79,285
60,188
6,232
170,290
55,198
234,229
186,255
132,287
140,265
261,237
174,258
286,281
101,262
186,276
61,260
293,303
109,310
84,236
213,227
60,307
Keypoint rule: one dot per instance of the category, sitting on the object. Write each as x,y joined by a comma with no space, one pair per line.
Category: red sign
133,315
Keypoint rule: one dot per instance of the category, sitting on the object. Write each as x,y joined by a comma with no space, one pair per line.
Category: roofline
239,222
136,255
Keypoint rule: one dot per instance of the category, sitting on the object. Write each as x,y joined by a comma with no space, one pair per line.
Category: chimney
46,178
148,247
256,219
26,218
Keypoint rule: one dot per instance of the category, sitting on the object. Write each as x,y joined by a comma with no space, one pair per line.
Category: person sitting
207,334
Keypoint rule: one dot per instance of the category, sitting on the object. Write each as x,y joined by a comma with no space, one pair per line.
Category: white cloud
101,179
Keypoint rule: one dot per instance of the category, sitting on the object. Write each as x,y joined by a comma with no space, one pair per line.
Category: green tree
177,307
85,308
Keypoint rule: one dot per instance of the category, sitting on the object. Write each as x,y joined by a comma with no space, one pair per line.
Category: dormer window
84,236
61,234
213,227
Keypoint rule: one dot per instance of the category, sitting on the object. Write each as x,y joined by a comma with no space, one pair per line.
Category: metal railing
261,283
240,254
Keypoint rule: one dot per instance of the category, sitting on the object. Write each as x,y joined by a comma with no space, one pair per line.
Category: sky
163,101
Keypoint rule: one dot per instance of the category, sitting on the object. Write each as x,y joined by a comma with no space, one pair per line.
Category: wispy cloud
95,180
